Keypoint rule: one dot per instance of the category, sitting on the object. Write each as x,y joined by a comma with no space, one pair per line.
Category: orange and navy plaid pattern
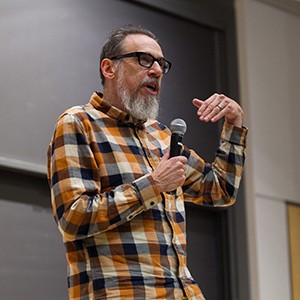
124,239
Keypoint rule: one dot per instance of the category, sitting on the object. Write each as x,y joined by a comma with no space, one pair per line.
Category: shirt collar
97,101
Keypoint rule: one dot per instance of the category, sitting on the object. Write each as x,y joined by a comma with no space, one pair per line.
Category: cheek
134,81
133,77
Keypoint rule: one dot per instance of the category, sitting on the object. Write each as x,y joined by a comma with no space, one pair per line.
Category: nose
156,70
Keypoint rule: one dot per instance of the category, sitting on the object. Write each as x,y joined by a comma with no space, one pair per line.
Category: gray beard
138,106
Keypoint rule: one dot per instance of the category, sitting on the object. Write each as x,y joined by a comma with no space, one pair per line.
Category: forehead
142,43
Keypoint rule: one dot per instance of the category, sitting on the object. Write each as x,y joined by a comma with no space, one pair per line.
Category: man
109,172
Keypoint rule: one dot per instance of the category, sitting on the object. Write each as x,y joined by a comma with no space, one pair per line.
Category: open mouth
152,87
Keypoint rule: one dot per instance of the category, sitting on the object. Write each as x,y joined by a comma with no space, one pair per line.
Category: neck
110,96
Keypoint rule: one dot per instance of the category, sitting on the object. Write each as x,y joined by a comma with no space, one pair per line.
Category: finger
225,109
166,156
216,108
218,116
182,159
197,102
206,107
209,113
221,102
178,161
213,111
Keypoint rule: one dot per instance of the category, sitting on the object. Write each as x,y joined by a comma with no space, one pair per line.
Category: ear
107,68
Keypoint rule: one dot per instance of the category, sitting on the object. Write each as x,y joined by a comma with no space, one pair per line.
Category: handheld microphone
178,128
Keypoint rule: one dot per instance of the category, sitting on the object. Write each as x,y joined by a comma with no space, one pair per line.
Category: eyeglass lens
147,60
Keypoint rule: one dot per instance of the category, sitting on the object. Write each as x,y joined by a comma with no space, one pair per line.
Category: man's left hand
218,106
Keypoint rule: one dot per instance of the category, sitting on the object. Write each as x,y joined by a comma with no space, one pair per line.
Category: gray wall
269,47
49,61
32,259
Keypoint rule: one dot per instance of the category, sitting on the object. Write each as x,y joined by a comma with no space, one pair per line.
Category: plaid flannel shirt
124,239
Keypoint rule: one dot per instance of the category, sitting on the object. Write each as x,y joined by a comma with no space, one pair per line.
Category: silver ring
219,107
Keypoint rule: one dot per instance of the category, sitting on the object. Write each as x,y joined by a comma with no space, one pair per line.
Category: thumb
166,155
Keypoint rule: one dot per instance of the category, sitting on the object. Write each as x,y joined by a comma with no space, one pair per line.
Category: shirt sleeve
79,206
217,184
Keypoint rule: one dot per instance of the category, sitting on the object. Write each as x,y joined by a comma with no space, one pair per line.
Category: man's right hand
170,173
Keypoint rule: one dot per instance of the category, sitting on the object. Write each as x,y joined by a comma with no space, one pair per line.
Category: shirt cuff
234,135
147,191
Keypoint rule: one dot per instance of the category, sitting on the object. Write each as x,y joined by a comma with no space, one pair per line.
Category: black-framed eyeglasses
147,60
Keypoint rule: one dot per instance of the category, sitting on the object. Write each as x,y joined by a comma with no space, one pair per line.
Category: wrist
237,122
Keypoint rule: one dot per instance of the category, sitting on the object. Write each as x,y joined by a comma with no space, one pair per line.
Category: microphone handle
176,144
175,149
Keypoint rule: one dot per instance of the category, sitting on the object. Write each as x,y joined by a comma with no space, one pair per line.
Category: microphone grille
178,126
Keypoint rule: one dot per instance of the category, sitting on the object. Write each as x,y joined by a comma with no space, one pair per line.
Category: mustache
151,81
